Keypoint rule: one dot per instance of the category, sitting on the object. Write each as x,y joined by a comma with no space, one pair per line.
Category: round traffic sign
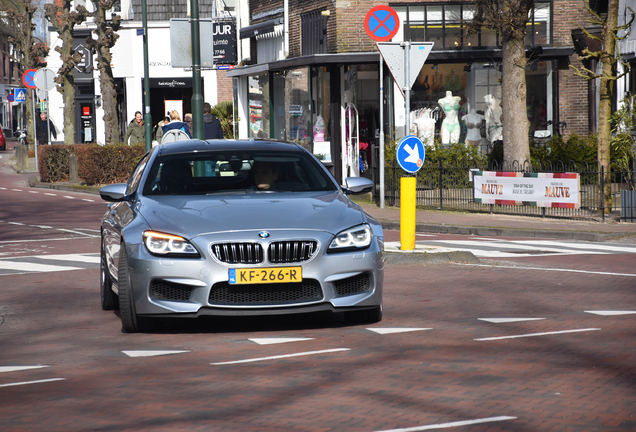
381,23
10,98
44,79
410,153
28,78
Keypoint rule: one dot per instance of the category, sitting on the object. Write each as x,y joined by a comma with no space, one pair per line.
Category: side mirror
115,192
357,185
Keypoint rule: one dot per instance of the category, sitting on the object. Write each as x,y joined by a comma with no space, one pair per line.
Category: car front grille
238,253
223,293
295,251
353,285
162,290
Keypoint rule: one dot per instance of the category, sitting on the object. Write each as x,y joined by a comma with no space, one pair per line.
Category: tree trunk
68,90
106,81
605,104
513,103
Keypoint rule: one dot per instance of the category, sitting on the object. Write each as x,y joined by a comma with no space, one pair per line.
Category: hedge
96,165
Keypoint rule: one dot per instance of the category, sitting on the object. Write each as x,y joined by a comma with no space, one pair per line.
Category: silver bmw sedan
247,227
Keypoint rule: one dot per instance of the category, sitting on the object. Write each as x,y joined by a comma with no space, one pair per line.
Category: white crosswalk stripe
48,263
499,248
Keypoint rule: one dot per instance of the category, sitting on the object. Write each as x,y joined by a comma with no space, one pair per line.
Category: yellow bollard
407,213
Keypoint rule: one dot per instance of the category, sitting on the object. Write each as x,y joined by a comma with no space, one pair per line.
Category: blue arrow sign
19,95
410,153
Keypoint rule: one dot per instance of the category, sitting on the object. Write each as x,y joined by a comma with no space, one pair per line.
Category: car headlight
168,245
354,238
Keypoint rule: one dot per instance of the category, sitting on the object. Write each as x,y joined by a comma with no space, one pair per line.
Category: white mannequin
473,124
350,161
450,125
426,126
494,127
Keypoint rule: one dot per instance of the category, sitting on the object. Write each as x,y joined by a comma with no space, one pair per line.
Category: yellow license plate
266,275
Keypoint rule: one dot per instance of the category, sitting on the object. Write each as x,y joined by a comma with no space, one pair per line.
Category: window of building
258,96
313,33
445,25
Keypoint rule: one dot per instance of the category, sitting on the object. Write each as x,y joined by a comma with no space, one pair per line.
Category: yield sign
381,23
393,55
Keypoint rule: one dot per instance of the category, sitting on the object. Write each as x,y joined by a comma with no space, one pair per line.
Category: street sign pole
381,133
35,133
407,87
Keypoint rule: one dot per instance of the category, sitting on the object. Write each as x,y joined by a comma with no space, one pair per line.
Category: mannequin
450,125
473,124
425,124
494,127
350,162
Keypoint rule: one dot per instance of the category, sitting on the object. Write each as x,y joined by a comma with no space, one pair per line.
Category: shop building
170,88
309,63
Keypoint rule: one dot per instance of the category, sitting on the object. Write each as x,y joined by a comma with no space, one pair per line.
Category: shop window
258,95
296,110
321,95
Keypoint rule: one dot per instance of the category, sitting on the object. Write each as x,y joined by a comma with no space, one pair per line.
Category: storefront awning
311,60
260,28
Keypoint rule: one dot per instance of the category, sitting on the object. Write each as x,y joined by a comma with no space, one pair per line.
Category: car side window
135,178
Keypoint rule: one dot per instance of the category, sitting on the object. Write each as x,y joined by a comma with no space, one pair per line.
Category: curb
509,232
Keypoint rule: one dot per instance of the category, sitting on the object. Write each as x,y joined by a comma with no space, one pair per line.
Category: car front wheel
109,298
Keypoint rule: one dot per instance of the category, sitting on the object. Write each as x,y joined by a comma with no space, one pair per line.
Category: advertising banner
561,190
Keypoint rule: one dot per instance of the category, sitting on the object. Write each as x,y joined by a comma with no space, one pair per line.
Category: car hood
190,216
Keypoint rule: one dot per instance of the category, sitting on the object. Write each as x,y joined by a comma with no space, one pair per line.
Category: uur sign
224,36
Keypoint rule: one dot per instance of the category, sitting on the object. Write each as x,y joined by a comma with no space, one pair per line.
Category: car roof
188,146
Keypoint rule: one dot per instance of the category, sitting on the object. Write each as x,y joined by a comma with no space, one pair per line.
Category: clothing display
494,127
473,121
450,125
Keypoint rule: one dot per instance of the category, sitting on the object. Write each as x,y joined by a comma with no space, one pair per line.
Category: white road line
1,188
451,424
549,269
508,320
16,223
152,353
41,226
282,356
19,368
391,330
32,382
271,341
611,312
33,268
92,258
17,190
34,192
49,194
43,240
69,197
84,199
76,232
538,334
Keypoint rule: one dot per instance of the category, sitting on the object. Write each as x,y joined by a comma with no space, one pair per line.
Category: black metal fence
447,185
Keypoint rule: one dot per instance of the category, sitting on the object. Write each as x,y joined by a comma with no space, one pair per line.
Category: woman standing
136,131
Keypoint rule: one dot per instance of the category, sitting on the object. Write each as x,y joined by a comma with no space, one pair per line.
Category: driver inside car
265,174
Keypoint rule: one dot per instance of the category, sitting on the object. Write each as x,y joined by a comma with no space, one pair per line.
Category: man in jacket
136,130
213,129
41,132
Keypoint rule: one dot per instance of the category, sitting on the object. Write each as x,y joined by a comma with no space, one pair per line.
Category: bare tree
609,57
29,53
106,37
64,19
509,18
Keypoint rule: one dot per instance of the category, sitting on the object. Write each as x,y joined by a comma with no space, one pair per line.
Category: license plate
266,275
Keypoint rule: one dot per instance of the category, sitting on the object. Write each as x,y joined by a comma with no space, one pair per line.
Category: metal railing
446,185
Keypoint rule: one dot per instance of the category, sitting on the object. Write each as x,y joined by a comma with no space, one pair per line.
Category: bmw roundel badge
263,234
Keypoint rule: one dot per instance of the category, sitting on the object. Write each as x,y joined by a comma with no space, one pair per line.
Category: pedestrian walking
136,130
212,125
174,124
188,119
44,126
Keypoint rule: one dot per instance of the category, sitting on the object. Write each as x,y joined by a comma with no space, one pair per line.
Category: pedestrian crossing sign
19,95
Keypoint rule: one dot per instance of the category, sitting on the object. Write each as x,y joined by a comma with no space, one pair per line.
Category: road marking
508,320
451,424
1,188
33,268
611,313
32,382
538,334
19,368
270,341
282,356
391,330
93,258
89,200
41,226
76,232
49,194
549,269
34,192
17,190
48,263
152,353
16,223
69,197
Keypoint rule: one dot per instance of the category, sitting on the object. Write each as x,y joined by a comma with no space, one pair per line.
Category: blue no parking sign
410,153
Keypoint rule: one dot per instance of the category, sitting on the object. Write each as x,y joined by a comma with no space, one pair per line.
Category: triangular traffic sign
393,55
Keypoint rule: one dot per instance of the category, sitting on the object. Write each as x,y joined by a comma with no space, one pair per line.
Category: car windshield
203,173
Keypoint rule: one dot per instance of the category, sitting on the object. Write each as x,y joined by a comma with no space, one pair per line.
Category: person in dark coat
41,131
212,125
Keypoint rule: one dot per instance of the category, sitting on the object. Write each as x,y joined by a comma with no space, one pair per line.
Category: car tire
365,316
130,321
109,298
